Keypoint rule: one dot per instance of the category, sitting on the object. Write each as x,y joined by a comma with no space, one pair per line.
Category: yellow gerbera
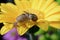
47,11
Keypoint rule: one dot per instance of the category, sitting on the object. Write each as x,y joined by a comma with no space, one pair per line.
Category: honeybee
26,16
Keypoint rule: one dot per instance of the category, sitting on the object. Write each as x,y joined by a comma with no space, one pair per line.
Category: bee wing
7,27
43,25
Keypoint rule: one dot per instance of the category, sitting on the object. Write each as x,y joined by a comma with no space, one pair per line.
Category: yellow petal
10,12
6,18
53,17
48,2
29,24
34,4
55,24
43,25
7,27
26,5
50,7
1,15
23,4
53,11
17,2
10,9
24,27
41,4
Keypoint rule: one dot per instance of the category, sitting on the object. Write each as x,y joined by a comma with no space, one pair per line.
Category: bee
26,16
23,18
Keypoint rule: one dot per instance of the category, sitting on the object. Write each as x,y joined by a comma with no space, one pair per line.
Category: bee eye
34,17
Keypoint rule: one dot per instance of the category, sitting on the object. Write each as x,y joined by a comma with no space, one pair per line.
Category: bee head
33,17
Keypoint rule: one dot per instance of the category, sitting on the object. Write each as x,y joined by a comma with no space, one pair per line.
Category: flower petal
34,4
6,18
55,24
24,27
53,11
47,3
23,4
10,12
10,9
7,27
54,17
50,7
43,25
41,4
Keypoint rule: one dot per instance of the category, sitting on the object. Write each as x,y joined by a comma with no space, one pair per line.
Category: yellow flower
47,11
